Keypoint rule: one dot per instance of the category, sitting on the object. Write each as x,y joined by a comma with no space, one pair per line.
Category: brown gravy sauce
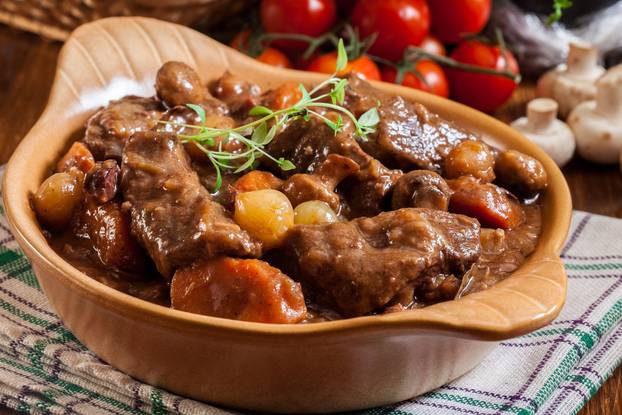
502,253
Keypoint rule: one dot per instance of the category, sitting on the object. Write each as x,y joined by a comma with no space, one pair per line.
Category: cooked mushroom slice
470,158
421,188
520,173
179,84
320,185
239,94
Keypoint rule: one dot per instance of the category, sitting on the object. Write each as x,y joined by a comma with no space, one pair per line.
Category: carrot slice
78,156
283,96
240,289
257,180
491,205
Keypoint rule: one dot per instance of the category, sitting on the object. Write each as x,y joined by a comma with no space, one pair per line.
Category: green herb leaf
260,132
286,165
333,126
259,111
257,133
270,135
338,93
218,183
370,118
305,94
247,164
199,110
342,57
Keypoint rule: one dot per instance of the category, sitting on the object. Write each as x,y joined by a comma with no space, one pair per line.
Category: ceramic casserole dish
323,367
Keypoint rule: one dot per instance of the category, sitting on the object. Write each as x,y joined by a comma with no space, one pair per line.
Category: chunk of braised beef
435,288
173,215
107,227
491,205
421,188
408,136
367,192
102,182
109,128
239,94
181,118
320,185
239,289
225,195
308,143
359,266
520,173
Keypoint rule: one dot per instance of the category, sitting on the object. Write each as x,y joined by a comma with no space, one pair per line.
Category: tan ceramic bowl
333,366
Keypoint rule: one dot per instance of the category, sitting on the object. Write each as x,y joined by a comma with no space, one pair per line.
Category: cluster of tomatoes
395,25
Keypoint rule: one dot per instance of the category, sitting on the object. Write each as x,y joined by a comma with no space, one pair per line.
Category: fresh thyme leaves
256,134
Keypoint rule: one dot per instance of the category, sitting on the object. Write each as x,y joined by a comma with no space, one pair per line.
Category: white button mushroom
543,128
597,124
572,83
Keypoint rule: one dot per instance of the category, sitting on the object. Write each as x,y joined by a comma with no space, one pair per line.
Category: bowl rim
542,270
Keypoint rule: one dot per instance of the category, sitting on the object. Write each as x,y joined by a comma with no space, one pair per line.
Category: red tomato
271,56
274,57
364,66
452,19
436,82
398,23
433,45
482,91
307,17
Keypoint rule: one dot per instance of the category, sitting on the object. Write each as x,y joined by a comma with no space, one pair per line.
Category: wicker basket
55,19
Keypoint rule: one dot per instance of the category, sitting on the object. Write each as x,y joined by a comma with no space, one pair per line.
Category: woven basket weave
55,19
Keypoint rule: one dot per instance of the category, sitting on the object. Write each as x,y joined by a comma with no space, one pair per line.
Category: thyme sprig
413,54
256,134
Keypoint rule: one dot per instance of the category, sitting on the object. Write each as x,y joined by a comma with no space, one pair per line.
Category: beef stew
326,218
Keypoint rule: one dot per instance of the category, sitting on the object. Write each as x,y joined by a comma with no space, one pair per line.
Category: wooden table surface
27,68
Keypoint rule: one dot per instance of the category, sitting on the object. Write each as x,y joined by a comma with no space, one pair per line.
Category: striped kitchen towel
554,370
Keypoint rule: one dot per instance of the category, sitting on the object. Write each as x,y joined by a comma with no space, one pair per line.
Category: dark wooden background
27,66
